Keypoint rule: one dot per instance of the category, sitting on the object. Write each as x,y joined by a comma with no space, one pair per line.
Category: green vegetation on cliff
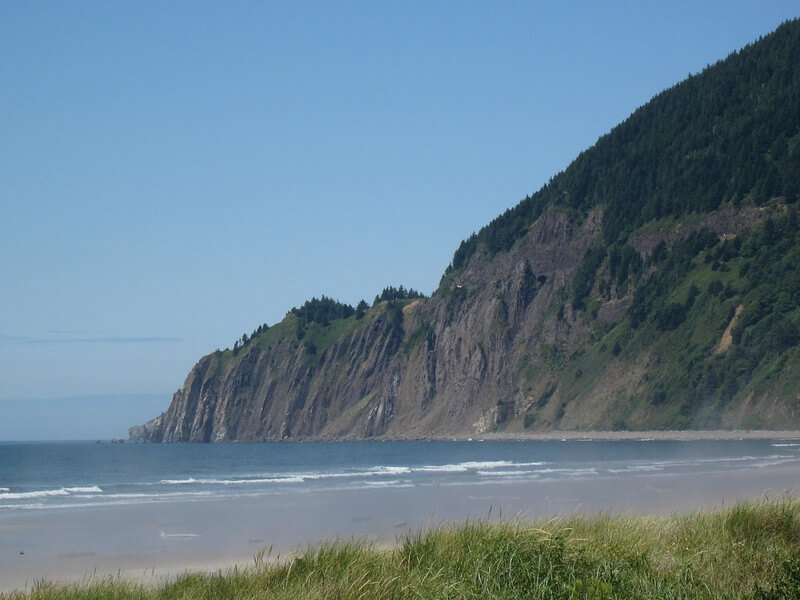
320,322
718,320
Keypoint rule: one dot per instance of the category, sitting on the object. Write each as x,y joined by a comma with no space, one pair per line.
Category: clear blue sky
174,174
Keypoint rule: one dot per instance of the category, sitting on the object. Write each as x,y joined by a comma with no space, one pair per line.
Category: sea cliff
653,284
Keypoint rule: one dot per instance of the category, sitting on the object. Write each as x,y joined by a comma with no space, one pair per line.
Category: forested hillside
726,136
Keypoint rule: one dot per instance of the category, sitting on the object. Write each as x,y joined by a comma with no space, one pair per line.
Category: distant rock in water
653,284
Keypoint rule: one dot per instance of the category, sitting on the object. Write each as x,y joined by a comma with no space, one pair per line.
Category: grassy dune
749,551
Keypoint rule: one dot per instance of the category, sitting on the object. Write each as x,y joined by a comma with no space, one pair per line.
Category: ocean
72,508
82,475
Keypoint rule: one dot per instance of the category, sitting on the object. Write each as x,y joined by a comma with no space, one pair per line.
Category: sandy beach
152,542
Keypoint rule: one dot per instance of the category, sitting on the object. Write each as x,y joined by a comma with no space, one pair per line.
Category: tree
361,308
390,293
322,310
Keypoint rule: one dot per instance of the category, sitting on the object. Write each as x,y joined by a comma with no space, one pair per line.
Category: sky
174,174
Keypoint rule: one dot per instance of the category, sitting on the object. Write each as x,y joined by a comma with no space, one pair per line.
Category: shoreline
678,435
652,435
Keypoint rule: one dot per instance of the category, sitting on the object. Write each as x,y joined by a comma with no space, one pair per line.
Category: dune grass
749,551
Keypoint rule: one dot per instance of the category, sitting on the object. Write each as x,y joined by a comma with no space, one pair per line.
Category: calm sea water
41,476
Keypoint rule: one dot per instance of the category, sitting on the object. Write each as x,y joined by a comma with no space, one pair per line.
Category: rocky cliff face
487,352
444,373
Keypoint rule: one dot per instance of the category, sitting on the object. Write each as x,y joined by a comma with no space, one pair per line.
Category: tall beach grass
751,551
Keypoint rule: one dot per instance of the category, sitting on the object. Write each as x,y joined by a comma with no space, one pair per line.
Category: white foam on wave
786,445
442,469
5,494
390,470
242,481
251,480
36,494
91,489
2,489
314,476
288,478
376,471
372,472
474,465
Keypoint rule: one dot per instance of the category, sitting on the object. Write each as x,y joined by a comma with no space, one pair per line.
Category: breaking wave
69,491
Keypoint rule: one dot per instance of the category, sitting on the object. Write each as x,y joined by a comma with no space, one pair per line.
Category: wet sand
152,542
